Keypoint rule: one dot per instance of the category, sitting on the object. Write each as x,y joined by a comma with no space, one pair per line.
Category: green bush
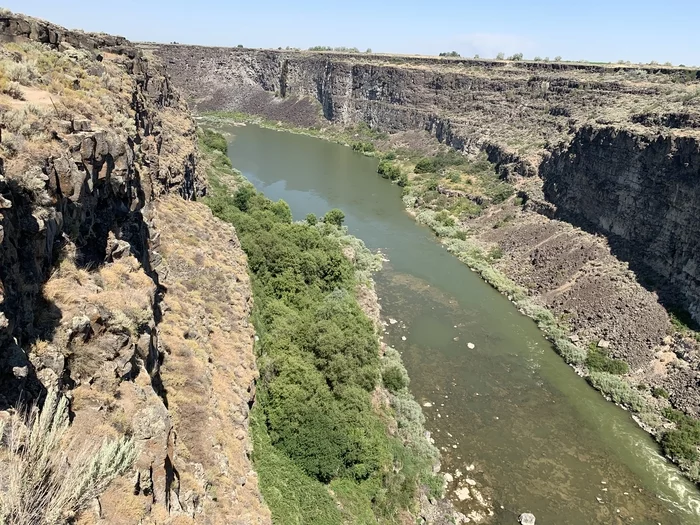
242,197
617,389
334,217
215,141
389,170
659,392
598,361
445,218
682,442
425,166
363,147
393,379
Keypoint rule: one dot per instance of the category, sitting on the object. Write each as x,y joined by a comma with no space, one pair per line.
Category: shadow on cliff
26,260
669,296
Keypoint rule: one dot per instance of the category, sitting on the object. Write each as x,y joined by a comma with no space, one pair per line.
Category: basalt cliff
105,295
615,146
605,160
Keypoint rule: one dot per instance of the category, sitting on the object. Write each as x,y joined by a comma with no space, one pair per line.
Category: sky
594,30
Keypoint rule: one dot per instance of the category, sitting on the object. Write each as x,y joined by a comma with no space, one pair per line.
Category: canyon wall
616,147
115,288
642,190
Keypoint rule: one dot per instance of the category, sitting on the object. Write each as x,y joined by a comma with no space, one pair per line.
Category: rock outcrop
140,322
642,191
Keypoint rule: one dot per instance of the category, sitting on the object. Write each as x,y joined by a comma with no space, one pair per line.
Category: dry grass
209,365
41,86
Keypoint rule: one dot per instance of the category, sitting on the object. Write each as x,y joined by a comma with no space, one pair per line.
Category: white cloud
490,44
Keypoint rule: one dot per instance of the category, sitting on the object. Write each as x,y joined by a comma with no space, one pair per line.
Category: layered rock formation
518,112
103,295
642,190
605,159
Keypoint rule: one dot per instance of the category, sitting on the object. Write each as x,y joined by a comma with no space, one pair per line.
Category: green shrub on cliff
213,140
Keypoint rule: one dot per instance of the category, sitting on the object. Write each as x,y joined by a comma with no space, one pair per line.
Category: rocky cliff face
643,192
624,138
103,295
70,177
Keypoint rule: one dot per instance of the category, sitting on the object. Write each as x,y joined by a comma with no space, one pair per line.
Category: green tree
242,197
311,219
335,217
425,165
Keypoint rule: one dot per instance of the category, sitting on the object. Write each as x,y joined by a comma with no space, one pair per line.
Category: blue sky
597,30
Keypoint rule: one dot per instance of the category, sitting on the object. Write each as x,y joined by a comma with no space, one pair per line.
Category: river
537,436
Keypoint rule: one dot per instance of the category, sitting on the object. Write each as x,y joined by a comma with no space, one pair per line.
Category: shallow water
538,437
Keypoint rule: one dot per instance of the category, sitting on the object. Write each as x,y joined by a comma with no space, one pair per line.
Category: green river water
538,437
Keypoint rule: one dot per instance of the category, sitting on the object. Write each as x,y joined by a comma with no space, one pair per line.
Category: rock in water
527,519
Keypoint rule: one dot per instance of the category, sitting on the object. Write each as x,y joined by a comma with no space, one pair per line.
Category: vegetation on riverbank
430,184
326,397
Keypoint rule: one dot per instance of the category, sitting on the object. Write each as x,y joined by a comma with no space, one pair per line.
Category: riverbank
531,259
325,377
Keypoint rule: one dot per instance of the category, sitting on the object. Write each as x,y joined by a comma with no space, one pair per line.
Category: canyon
605,157
616,146
121,289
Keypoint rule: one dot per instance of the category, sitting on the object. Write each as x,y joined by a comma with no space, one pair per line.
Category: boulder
526,519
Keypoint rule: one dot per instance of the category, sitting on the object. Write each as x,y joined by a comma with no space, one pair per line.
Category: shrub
680,445
389,170
571,353
334,217
424,165
659,392
13,89
311,219
216,141
363,147
495,253
445,218
617,389
516,57
683,441
394,379
41,486
452,54
598,361
242,197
